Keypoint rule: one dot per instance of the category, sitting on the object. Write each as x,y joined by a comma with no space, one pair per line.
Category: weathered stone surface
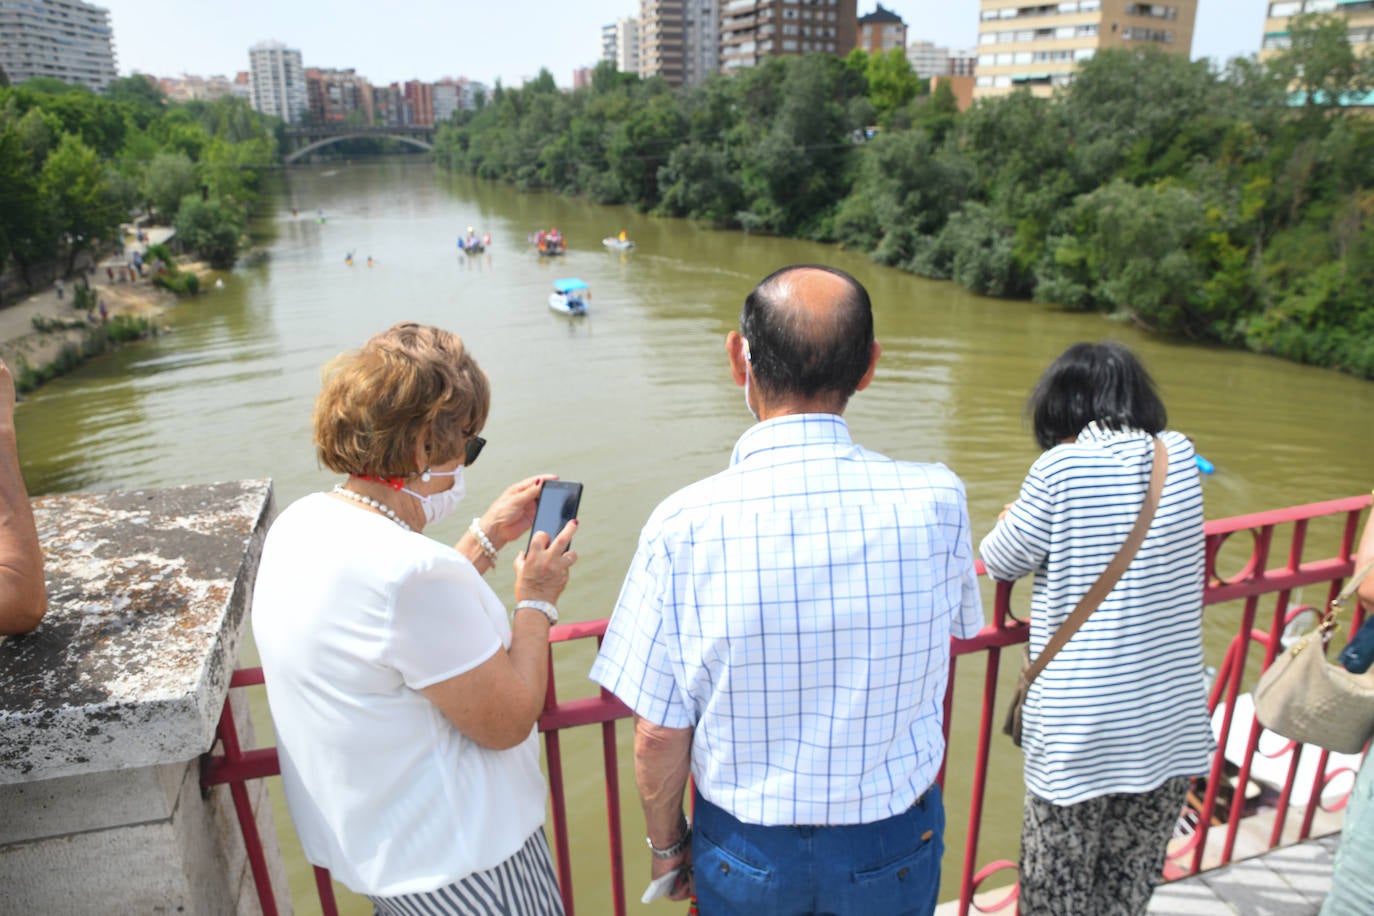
148,592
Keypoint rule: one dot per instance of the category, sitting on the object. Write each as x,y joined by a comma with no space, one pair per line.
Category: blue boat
570,296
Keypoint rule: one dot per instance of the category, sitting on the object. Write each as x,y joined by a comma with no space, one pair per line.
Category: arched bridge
308,139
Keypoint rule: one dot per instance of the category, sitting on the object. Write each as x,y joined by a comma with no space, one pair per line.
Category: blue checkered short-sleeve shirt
796,610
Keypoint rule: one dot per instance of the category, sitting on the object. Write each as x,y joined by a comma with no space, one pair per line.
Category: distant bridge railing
421,136
1274,568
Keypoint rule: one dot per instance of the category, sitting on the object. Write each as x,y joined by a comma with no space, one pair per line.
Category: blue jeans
886,868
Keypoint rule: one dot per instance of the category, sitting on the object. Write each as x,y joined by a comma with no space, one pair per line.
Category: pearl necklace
375,504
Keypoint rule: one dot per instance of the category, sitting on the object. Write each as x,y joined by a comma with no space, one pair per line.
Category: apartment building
1359,15
701,29
278,81
189,88
64,39
620,44
334,96
754,30
1037,46
928,59
881,31
679,40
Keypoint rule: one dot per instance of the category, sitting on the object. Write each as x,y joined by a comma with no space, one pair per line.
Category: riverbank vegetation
75,165
1235,207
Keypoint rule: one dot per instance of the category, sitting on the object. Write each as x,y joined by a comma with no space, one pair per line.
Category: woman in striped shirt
1115,725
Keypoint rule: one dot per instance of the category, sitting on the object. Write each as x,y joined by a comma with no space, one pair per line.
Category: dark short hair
790,356
1094,381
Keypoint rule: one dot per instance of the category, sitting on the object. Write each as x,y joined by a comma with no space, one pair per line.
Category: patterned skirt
523,885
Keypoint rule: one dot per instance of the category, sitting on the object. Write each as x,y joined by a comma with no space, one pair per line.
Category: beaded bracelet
483,542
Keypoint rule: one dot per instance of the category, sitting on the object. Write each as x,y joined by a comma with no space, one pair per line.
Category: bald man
783,636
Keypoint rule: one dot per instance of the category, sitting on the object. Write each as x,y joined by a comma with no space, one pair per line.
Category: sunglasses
473,449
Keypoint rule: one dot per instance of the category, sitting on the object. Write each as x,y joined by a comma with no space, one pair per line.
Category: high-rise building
419,98
63,39
679,40
662,44
278,81
928,59
963,62
1359,15
881,31
335,95
753,30
1039,46
620,44
701,31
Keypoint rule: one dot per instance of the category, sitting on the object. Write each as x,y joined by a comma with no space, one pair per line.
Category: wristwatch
544,607
673,851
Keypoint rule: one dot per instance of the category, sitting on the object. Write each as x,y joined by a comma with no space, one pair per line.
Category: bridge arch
311,147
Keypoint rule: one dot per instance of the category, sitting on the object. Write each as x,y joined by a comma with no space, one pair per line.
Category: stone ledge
148,594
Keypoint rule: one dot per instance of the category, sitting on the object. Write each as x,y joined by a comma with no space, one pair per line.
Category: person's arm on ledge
23,596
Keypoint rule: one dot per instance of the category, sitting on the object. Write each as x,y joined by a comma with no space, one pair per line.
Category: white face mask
747,373
439,506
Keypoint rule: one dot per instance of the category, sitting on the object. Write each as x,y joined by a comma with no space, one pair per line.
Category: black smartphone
558,502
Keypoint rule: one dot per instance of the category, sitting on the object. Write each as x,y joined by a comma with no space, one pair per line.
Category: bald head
810,333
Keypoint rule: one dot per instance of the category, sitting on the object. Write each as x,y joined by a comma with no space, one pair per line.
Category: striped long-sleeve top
1122,707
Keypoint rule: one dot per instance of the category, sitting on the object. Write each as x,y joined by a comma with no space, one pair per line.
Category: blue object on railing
1204,465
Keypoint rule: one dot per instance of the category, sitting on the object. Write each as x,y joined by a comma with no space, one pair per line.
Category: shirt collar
1096,431
790,431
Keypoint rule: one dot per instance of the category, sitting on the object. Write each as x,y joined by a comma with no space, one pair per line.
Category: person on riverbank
783,635
23,593
1117,723
403,698
1352,893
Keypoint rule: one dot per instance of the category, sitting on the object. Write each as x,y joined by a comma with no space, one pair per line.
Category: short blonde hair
409,381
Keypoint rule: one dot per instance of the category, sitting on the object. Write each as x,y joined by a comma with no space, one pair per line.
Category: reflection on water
635,399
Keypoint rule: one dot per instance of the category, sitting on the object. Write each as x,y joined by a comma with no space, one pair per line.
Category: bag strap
1329,618
1159,470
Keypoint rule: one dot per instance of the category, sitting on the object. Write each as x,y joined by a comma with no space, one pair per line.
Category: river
635,399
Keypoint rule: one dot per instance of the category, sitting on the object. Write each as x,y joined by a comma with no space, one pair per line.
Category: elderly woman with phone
403,698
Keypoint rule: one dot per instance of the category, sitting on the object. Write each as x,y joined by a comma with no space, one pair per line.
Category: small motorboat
551,245
569,296
618,243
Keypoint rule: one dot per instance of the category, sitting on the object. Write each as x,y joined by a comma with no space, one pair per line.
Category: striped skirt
523,885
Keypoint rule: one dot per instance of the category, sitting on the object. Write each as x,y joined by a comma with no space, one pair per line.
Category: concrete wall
106,708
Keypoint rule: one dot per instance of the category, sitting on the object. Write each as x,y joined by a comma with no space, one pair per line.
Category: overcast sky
509,39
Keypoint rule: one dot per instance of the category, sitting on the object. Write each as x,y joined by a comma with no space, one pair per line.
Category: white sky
487,39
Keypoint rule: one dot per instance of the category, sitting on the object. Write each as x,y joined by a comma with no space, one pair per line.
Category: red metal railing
1256,579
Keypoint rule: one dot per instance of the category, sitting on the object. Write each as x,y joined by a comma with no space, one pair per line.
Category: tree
168,178
84,208
891,83
210,228
21,213
1320,65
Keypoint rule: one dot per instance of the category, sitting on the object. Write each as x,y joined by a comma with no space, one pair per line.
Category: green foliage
167,178
74,165
85,209
210,228
1197,202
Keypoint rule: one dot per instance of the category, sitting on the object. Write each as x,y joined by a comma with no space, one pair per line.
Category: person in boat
622,236
404,698
1117,723
1352,894
783,636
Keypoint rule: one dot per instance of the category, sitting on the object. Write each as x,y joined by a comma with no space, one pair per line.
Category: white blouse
352,617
